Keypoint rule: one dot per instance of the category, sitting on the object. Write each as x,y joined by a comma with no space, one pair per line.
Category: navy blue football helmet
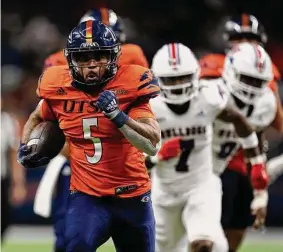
244,26
92,40
107,17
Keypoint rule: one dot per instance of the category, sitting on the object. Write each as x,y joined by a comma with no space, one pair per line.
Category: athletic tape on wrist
249,142
257,160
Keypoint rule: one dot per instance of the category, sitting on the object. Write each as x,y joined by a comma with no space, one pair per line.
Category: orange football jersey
130,54
55,59
102,160
212,66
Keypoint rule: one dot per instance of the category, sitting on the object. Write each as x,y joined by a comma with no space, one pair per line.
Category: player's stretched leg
201,217
60,207
167,208
133,225
236,201
87,224
59,227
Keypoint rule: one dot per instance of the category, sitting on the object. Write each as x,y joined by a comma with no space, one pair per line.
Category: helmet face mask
247,72
92,59
244,89
178,71
178,89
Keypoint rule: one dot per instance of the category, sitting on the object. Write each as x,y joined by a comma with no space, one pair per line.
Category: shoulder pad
267,108
51,80
211,65
141,80
214,94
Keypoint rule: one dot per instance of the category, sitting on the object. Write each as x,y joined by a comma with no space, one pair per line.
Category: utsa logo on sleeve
93,139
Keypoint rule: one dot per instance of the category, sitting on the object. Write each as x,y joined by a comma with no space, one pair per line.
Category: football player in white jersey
247,72
186,194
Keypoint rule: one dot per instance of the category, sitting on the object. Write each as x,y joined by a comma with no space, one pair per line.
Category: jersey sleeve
215,96
46,111
148,86
141,110
45,86
267,111
43,81
140,58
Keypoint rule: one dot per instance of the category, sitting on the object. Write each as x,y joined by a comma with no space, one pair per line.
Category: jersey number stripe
87,124
226,149
187,147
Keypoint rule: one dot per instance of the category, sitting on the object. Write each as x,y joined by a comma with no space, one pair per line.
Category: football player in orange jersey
130,53
237,198
105,115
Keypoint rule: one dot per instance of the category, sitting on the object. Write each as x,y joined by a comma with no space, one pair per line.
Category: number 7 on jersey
188,146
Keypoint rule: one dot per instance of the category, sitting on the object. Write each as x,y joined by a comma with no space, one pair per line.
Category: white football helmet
178,71
247,71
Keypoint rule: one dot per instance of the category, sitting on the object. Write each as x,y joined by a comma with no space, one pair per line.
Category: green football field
38,247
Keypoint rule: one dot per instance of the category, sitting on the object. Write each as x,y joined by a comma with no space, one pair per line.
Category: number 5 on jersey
87,124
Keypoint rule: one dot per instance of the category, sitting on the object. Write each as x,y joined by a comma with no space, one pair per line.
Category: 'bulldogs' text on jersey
195,127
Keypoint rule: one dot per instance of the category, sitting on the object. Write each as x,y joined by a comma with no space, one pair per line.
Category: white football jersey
195,127
225,143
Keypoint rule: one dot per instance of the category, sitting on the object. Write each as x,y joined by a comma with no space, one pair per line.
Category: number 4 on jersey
187,147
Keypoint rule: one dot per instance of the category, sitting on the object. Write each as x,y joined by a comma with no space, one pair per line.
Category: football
46,139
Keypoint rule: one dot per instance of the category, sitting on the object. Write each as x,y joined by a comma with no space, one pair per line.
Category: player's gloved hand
258,208
108,104
259,176
28,159
170,149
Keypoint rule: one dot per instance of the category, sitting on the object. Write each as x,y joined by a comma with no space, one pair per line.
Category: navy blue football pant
60,207
91,221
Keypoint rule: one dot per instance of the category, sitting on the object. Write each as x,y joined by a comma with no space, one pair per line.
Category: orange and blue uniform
130,54
87,131
110,187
